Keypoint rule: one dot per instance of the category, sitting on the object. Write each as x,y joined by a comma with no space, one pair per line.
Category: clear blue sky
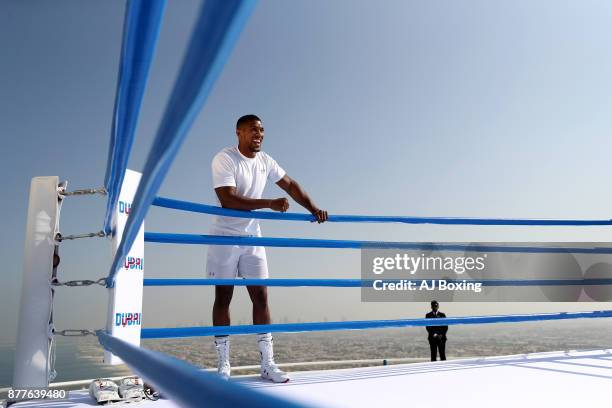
471,108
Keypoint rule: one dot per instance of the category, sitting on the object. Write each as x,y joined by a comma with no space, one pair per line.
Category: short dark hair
246,119
434,303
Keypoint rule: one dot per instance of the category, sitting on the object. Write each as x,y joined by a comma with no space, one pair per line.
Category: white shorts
232,261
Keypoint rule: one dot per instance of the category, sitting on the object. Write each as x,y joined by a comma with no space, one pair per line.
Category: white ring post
124,317
34,331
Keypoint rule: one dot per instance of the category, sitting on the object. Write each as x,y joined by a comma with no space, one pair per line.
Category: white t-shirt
249,176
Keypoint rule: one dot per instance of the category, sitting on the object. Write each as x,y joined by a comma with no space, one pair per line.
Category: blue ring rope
185,384
352,244
216,31
357,283
164,333
141,28
269,215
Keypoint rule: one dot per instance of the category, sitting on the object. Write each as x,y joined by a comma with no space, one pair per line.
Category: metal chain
51,357
74,332
88,191
59,237
83,282
51,371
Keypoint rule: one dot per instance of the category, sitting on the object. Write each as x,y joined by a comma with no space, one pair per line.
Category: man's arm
230,199
301,197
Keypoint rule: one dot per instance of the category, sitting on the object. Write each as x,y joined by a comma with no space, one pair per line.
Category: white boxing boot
222,345
269,369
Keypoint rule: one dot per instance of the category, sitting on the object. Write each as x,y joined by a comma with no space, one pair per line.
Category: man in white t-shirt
239,176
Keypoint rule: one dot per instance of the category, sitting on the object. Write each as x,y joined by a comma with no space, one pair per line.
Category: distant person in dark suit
436,334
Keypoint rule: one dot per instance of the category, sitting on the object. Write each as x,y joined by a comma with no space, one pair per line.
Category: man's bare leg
261,315
221,308
221,317
259,297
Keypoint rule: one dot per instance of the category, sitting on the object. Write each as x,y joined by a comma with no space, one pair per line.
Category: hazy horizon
489,109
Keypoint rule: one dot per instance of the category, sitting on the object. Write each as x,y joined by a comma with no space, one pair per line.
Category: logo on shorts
127,319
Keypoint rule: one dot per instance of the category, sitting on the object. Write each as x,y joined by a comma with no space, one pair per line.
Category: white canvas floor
559,379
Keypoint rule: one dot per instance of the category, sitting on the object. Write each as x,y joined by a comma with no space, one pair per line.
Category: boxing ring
216,31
